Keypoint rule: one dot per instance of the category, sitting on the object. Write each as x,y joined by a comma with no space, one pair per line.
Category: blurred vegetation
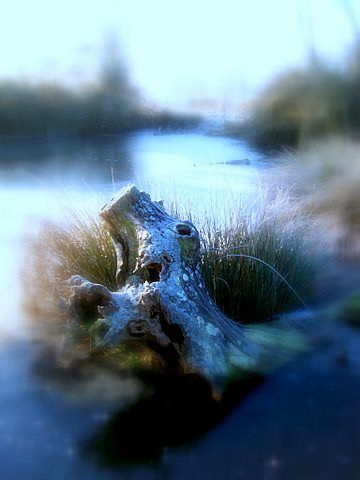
108,105
307,103
324,181
52,109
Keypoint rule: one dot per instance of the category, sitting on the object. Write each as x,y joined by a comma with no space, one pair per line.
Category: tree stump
162,300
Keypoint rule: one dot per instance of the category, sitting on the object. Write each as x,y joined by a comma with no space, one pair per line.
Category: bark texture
161,298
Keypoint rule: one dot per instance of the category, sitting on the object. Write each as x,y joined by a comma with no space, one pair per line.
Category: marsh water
301,423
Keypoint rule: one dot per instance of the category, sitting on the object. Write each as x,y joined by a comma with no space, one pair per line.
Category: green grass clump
260,263
256,263
80,247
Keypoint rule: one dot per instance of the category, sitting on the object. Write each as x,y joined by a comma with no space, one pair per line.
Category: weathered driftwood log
162,299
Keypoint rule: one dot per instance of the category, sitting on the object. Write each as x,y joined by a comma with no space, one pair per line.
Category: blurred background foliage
110,104
307,103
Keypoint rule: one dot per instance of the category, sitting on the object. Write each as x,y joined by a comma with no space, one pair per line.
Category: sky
176,50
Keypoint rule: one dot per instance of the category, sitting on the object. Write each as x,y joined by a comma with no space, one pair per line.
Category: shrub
301,105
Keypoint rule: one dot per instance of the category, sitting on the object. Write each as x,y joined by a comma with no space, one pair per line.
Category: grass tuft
257,262
260,263
80,247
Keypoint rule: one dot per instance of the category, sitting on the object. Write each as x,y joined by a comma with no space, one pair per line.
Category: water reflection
155,161
93,160
178,410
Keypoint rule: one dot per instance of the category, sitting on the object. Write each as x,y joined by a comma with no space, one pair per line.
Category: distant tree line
52,109
306,103
111,105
